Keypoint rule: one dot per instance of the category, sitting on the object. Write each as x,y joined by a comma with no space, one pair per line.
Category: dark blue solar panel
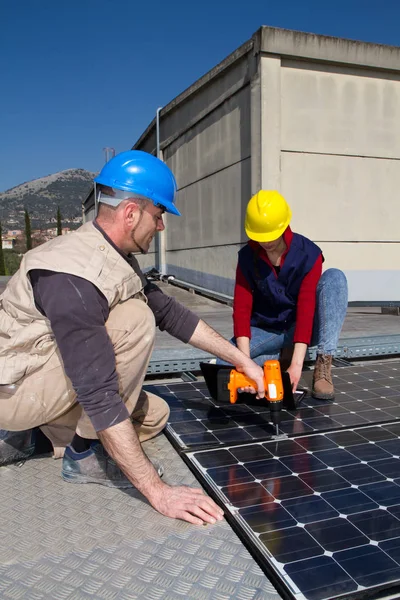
318,576
325,481
378,525
388,468
365,395
339,457
392,446
369,566
349,501
385,493
359,474
321,508
327,534
309,509
392,548
266,517
295,544
321,511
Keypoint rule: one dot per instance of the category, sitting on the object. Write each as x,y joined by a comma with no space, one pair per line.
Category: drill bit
277,429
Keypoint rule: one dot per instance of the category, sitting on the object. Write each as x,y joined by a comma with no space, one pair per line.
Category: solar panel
365,394
320,512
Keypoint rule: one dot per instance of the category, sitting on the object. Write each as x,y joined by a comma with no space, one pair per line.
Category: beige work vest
26,339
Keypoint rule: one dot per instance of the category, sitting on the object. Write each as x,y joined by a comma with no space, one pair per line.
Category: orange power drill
273,388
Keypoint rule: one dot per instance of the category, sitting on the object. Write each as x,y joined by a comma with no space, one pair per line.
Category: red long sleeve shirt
305,310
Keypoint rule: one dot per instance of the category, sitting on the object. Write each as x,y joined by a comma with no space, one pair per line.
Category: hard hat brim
172,210
267,237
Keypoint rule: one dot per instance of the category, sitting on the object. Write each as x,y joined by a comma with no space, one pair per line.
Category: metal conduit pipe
225,298
161,241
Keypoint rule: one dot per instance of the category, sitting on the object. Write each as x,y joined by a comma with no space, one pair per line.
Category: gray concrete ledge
298,44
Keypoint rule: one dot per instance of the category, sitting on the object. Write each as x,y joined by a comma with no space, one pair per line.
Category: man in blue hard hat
77,328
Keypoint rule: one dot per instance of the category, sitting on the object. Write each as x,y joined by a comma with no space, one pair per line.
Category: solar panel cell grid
323,510
365,395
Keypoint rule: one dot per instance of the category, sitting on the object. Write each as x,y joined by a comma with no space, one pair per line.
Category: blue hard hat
142,174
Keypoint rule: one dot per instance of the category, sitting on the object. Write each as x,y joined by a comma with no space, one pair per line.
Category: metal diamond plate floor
78,542
60,541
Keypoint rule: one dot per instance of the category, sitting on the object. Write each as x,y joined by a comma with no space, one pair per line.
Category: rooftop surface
60,541
361,322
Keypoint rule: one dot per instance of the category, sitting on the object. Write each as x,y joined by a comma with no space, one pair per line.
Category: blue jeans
330,311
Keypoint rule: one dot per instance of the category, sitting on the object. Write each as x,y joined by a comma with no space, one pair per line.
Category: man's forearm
206,338
177,502
122,443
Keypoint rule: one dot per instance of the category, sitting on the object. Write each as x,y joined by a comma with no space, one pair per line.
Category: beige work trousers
46,398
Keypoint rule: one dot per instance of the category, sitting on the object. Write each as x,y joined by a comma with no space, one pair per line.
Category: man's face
150,221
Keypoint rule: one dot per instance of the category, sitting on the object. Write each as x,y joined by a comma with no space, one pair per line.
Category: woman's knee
335,278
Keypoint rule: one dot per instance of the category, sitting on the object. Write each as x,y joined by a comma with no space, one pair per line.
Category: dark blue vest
275,297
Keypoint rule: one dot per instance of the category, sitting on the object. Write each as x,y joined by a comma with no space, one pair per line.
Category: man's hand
256,373
206,338
190,504
186,503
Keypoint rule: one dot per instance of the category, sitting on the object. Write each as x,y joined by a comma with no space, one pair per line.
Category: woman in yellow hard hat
281,296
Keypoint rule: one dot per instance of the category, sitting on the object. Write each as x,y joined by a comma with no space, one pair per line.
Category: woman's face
271,246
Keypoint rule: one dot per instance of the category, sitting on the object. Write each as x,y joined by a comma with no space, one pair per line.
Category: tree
59,225
28,235
12,260
20,244
2,263
38,239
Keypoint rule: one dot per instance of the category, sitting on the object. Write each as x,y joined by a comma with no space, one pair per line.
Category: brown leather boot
322,387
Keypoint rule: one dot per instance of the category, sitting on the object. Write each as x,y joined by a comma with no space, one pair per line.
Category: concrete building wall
333,108
340,169
314,117
206,141
212,165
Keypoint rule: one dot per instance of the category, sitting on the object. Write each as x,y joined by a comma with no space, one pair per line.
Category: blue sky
79,75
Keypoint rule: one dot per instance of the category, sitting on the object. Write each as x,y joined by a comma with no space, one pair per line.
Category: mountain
41,197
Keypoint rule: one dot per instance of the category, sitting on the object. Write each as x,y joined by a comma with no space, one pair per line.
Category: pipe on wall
161,240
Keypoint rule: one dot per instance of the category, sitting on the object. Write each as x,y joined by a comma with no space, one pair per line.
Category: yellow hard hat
267,216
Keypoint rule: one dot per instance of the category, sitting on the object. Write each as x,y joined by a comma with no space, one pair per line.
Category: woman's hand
295,375
296,365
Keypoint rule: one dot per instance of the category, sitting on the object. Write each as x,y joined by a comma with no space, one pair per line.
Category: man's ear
131,210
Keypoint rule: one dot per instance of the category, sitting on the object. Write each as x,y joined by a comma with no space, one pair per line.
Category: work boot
16,445
96,466
322,387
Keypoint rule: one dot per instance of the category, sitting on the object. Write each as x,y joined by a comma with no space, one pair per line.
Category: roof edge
204,80
324,48
294,44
